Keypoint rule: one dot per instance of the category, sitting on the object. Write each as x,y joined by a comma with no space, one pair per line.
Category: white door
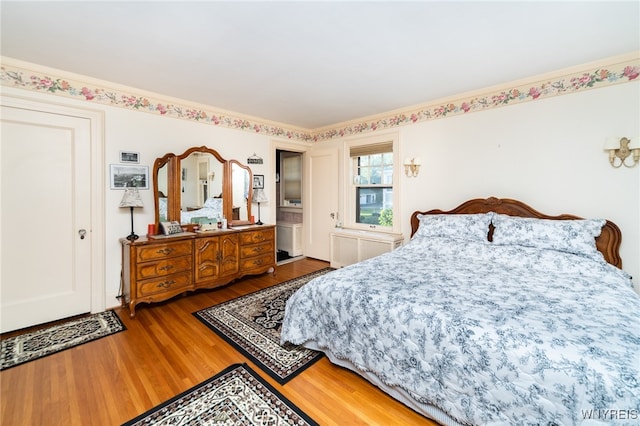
45,210
321,206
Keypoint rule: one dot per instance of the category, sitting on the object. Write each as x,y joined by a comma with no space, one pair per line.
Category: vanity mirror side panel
241,178
164,194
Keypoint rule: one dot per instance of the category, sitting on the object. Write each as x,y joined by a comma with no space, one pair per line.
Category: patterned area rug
236,396
251,324
31,346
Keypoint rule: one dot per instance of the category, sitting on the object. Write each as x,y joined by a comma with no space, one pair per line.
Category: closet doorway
289,210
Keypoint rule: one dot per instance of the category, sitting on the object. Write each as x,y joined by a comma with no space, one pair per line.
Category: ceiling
315,64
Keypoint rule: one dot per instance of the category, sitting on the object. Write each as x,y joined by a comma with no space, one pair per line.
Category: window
291,179
371,198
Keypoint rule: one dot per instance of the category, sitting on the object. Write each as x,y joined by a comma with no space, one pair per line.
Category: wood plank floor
165,351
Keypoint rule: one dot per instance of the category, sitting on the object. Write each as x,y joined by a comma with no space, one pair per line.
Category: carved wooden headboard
608,243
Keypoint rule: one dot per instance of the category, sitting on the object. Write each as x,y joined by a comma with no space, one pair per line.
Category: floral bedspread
489,334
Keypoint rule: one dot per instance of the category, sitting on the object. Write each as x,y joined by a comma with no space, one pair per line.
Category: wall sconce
622,148
412,166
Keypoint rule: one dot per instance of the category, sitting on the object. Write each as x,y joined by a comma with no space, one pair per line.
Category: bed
493,313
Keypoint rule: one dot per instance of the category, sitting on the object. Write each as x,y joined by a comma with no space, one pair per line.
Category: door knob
82,233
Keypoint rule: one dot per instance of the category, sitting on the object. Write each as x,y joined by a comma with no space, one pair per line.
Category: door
45,217
321,205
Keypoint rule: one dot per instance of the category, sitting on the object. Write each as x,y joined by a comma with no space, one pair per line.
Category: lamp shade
611,143
131,198
614,143
259,196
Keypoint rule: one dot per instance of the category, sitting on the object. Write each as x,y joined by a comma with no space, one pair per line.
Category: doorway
289,206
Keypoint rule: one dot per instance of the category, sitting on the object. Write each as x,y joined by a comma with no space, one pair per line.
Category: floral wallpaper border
617,73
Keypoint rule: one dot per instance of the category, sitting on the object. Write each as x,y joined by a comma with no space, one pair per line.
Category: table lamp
131,199
259,197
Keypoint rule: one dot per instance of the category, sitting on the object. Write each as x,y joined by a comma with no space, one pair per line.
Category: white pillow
471,227
213,203
570,236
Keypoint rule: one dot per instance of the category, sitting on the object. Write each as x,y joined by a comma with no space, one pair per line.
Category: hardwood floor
165,351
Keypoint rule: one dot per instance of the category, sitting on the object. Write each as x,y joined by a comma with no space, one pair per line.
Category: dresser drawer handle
166,268
258,249
166,284
258,262
166,251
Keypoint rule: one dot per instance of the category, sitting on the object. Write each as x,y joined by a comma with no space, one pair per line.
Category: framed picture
129,157
123,176
258,181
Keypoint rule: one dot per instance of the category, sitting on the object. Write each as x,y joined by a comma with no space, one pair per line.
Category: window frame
295,177
351,204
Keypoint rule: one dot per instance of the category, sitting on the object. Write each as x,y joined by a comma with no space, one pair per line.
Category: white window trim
348,221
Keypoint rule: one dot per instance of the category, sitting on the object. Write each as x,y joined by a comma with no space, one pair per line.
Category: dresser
158,268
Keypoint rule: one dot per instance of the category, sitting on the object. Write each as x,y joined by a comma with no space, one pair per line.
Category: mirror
202,179
198,186
241,193
161,187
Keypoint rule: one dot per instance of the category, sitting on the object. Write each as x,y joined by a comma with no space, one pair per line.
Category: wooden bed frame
608,243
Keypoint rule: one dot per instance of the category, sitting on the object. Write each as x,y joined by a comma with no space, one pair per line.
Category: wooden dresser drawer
259,236
157,269
163,251
164,284
160,268
256,249
257,262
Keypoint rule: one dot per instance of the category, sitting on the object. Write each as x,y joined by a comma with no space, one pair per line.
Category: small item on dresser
170,228
151,229
208,227
224,222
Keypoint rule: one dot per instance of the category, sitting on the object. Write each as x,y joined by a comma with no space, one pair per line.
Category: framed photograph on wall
258,181
123,176
129,157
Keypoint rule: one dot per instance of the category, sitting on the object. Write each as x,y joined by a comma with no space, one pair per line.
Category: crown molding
602,73
606,72
39,78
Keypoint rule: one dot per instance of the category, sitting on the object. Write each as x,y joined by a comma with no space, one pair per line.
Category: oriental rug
30,346
252,324
235,396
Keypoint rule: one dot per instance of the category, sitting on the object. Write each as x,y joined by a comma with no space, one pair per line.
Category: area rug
252,323
37,344
236,396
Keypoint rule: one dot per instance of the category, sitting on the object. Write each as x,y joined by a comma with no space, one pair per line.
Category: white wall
153,136
546,153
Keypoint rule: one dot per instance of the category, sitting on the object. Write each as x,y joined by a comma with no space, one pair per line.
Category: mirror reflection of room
202,190
240,187
201,187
